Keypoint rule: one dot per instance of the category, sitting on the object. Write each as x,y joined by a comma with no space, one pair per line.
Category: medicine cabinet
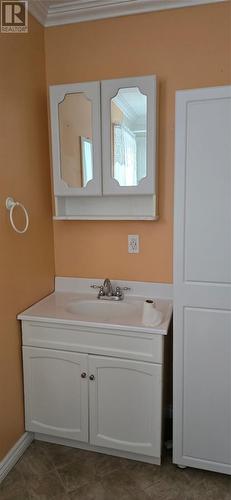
104,149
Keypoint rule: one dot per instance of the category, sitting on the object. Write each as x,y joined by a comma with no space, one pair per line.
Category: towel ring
10,205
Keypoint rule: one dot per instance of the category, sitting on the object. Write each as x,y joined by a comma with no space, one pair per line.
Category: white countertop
54,309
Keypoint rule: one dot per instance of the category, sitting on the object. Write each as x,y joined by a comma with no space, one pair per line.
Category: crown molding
52,13
39,10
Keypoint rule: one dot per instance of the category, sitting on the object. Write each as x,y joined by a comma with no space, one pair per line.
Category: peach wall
26,261
185,48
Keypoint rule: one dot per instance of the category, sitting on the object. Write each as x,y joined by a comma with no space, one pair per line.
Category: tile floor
53,472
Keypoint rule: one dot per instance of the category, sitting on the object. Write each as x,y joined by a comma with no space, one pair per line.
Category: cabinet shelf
87,217
106,208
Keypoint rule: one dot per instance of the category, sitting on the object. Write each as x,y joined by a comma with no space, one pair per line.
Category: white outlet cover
133,243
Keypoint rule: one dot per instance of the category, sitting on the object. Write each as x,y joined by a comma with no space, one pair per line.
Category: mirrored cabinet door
76,139
129,135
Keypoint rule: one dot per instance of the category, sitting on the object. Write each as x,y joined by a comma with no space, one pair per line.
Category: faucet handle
101,291
119,291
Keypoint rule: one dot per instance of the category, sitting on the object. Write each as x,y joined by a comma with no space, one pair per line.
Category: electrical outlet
133,243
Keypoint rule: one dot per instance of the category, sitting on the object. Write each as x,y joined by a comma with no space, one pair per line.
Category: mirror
75,129
129,136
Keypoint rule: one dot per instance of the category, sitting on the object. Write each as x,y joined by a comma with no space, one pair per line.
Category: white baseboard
15,454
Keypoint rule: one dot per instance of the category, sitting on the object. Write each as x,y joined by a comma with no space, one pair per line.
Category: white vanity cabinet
108,397
103,138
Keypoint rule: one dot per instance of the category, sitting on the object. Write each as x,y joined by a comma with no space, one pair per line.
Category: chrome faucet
107,288
107,292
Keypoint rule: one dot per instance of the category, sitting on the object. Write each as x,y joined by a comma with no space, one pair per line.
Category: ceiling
56,12
132,103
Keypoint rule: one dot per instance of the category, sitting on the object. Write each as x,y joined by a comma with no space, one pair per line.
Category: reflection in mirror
75,125
129,136
86,160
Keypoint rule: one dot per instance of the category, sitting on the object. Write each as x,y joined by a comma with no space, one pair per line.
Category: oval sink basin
112,312
92,309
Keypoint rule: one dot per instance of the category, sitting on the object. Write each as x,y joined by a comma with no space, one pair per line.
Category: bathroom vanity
95,379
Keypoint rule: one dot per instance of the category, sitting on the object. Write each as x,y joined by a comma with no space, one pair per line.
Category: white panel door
125,405
202,279
56,393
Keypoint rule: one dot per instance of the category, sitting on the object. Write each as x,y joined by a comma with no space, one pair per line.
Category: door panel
56,397
206,392
125,405
207,191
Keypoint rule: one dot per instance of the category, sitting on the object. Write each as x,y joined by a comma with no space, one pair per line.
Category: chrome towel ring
10,205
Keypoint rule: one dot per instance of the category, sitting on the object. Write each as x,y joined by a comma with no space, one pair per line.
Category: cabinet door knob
83,375
92,377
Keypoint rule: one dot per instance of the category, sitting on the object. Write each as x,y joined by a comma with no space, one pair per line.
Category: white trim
15,454
99,449
199,463
69,12
140,288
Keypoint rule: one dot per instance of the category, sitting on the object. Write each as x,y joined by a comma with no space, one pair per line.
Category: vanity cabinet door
125,405
56,393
